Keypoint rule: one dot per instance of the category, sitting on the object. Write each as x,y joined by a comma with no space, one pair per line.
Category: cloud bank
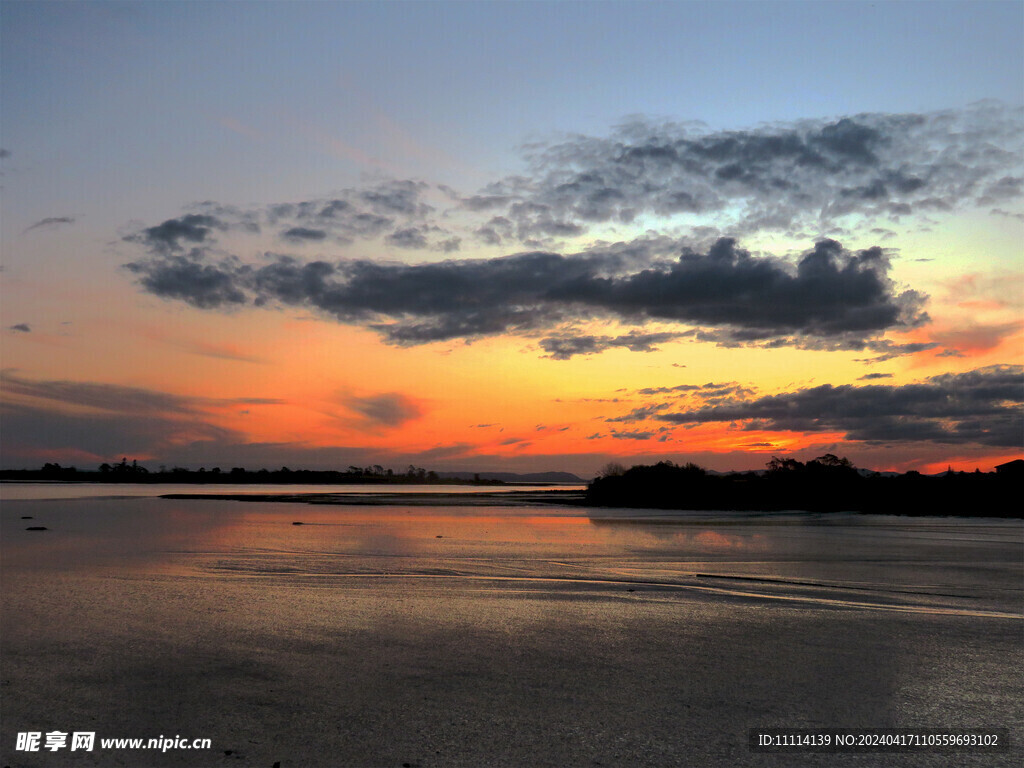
984,406
808,179
799,178
830,293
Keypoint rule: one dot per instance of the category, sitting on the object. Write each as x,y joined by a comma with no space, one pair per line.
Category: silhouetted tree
612,469
784,465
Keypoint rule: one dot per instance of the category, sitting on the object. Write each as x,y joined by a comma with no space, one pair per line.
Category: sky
511,236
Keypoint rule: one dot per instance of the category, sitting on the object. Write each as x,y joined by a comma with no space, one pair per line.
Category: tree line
825,484
127,471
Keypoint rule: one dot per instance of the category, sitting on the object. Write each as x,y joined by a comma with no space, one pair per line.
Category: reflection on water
10,491
858,560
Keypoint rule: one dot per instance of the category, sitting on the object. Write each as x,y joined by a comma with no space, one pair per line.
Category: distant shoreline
552,497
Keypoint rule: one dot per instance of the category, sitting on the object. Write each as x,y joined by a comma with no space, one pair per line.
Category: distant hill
566,478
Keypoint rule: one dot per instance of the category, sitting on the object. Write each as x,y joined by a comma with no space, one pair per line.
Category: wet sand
495,637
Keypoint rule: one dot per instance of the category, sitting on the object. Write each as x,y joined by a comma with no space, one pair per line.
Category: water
11,491
870,561
477,631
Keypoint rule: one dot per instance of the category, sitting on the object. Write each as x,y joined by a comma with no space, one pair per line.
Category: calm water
941,565
473,632
58,490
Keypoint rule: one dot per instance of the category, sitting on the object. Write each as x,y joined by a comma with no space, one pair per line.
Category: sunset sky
512,236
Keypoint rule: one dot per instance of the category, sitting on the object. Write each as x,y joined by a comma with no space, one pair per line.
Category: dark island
826,484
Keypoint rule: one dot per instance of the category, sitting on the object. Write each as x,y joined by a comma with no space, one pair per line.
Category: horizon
380,471
448,235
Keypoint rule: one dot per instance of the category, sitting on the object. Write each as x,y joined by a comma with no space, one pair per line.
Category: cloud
803,178
50,221
702,391
793,177
410,237
23,327
872,376
304,233
192,280
114,398
169,236
30,430
831,293
977,337
982,406
631,435
566,346
390,409
97,396
392,209
101,420
4,153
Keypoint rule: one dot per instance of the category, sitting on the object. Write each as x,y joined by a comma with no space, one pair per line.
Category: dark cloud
102,420
410,237
803,178
884,349
566,346
871,376
391,409
23,327
4,153
666,390
639,414
192,280
705,394
96,396
50,221
103,436
831,293
450,245
982,406
391,209
397,197
114,398
485,202
304,233
631,435
794,177
169,237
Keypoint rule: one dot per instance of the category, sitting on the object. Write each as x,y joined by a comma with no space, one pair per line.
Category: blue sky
153,97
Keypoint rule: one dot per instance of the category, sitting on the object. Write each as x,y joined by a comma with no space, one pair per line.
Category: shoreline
513,498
